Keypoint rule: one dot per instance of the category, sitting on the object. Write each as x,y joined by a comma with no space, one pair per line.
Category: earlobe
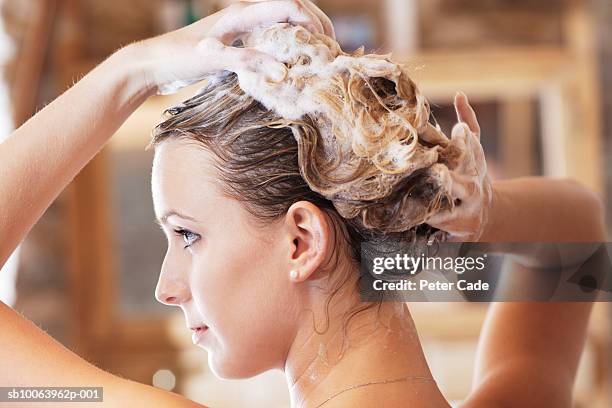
309,231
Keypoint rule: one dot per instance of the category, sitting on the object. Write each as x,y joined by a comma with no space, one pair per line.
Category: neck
373,349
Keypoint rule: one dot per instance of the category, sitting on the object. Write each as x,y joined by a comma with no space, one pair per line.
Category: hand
182,57
471,187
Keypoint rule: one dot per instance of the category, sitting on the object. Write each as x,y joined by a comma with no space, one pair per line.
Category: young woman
262,266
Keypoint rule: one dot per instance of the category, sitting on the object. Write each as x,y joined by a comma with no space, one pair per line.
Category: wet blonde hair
371,149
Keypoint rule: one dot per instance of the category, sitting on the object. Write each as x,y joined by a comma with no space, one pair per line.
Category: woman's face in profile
229,276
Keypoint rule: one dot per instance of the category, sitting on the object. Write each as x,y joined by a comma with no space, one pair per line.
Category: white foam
367,109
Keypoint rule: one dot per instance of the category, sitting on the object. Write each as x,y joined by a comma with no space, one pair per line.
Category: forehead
183,177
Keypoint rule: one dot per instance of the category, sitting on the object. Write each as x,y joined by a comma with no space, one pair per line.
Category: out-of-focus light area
164,379
539,74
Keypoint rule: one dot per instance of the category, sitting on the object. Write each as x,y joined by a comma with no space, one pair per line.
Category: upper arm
529,352
35,359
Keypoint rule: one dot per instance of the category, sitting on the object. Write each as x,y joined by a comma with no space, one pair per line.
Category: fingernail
465,96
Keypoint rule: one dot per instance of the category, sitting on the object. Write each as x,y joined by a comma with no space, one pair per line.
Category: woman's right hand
182,57
470,182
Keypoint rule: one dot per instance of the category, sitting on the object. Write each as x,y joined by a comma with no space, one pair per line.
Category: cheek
245,296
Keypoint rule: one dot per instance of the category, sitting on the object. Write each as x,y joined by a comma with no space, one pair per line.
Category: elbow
591,207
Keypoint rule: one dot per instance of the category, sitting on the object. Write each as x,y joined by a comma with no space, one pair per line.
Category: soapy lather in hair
375,155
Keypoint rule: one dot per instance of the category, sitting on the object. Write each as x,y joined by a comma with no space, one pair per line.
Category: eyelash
186,234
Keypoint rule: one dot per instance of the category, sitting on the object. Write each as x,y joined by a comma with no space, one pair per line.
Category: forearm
45,154
541,209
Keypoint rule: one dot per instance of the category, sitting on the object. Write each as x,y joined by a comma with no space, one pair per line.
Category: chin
231,369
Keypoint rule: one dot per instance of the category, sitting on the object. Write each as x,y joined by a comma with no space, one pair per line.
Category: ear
309,235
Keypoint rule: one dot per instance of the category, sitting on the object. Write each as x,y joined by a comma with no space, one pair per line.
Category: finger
473,149
313,22
466,140
326,23
478,155
262,14
328,27
443,219
459,189
440,219
465,113
240,59
460,134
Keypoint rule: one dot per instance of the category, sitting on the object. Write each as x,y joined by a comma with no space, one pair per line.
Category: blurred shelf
486,73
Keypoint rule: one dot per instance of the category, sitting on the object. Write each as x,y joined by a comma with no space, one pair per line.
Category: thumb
465,113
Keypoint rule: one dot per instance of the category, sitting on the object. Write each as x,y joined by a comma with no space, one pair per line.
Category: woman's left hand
182,57
471,187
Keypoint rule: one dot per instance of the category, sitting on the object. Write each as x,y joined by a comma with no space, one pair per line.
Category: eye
189,237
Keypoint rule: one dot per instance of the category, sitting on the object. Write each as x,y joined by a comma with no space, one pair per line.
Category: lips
197,333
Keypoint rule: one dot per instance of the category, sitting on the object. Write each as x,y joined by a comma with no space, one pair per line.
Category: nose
172,287
171,292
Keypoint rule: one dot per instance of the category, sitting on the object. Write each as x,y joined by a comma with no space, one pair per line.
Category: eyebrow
164,218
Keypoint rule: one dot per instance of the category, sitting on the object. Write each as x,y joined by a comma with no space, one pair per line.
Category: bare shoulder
38,360
121,393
